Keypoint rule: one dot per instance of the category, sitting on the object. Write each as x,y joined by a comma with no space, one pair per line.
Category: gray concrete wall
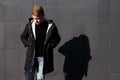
99,19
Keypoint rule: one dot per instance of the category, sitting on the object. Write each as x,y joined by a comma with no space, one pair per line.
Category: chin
37,23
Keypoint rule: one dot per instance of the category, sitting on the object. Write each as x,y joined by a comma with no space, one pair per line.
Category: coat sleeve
24,36
55,37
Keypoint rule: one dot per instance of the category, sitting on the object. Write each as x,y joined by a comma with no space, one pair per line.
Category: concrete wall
99,19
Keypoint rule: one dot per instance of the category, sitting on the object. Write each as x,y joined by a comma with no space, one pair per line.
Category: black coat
51,41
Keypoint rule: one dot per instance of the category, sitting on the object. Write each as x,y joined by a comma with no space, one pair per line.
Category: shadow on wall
77,56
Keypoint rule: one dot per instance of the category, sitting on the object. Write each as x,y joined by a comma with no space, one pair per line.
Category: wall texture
99,19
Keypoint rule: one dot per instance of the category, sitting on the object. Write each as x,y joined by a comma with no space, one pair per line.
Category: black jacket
51,41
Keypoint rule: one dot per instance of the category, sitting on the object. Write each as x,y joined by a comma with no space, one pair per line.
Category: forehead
35,16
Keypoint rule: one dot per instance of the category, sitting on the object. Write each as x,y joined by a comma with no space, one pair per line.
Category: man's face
38,20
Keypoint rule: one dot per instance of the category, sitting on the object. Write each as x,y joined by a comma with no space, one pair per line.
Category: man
40,36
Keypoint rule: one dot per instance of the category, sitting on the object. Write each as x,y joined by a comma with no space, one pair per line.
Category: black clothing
52,39
40,37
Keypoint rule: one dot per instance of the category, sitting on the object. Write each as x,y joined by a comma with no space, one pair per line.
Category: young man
40,36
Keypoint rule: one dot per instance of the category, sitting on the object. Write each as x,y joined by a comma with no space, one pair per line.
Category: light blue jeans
40,69
39,75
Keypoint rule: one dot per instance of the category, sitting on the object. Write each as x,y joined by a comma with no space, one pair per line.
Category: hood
30,19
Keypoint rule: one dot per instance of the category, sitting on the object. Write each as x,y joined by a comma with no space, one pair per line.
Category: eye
38,18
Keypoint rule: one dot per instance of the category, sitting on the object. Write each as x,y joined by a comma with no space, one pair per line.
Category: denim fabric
40,68
30,75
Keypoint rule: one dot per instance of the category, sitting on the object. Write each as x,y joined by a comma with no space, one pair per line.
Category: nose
38,20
